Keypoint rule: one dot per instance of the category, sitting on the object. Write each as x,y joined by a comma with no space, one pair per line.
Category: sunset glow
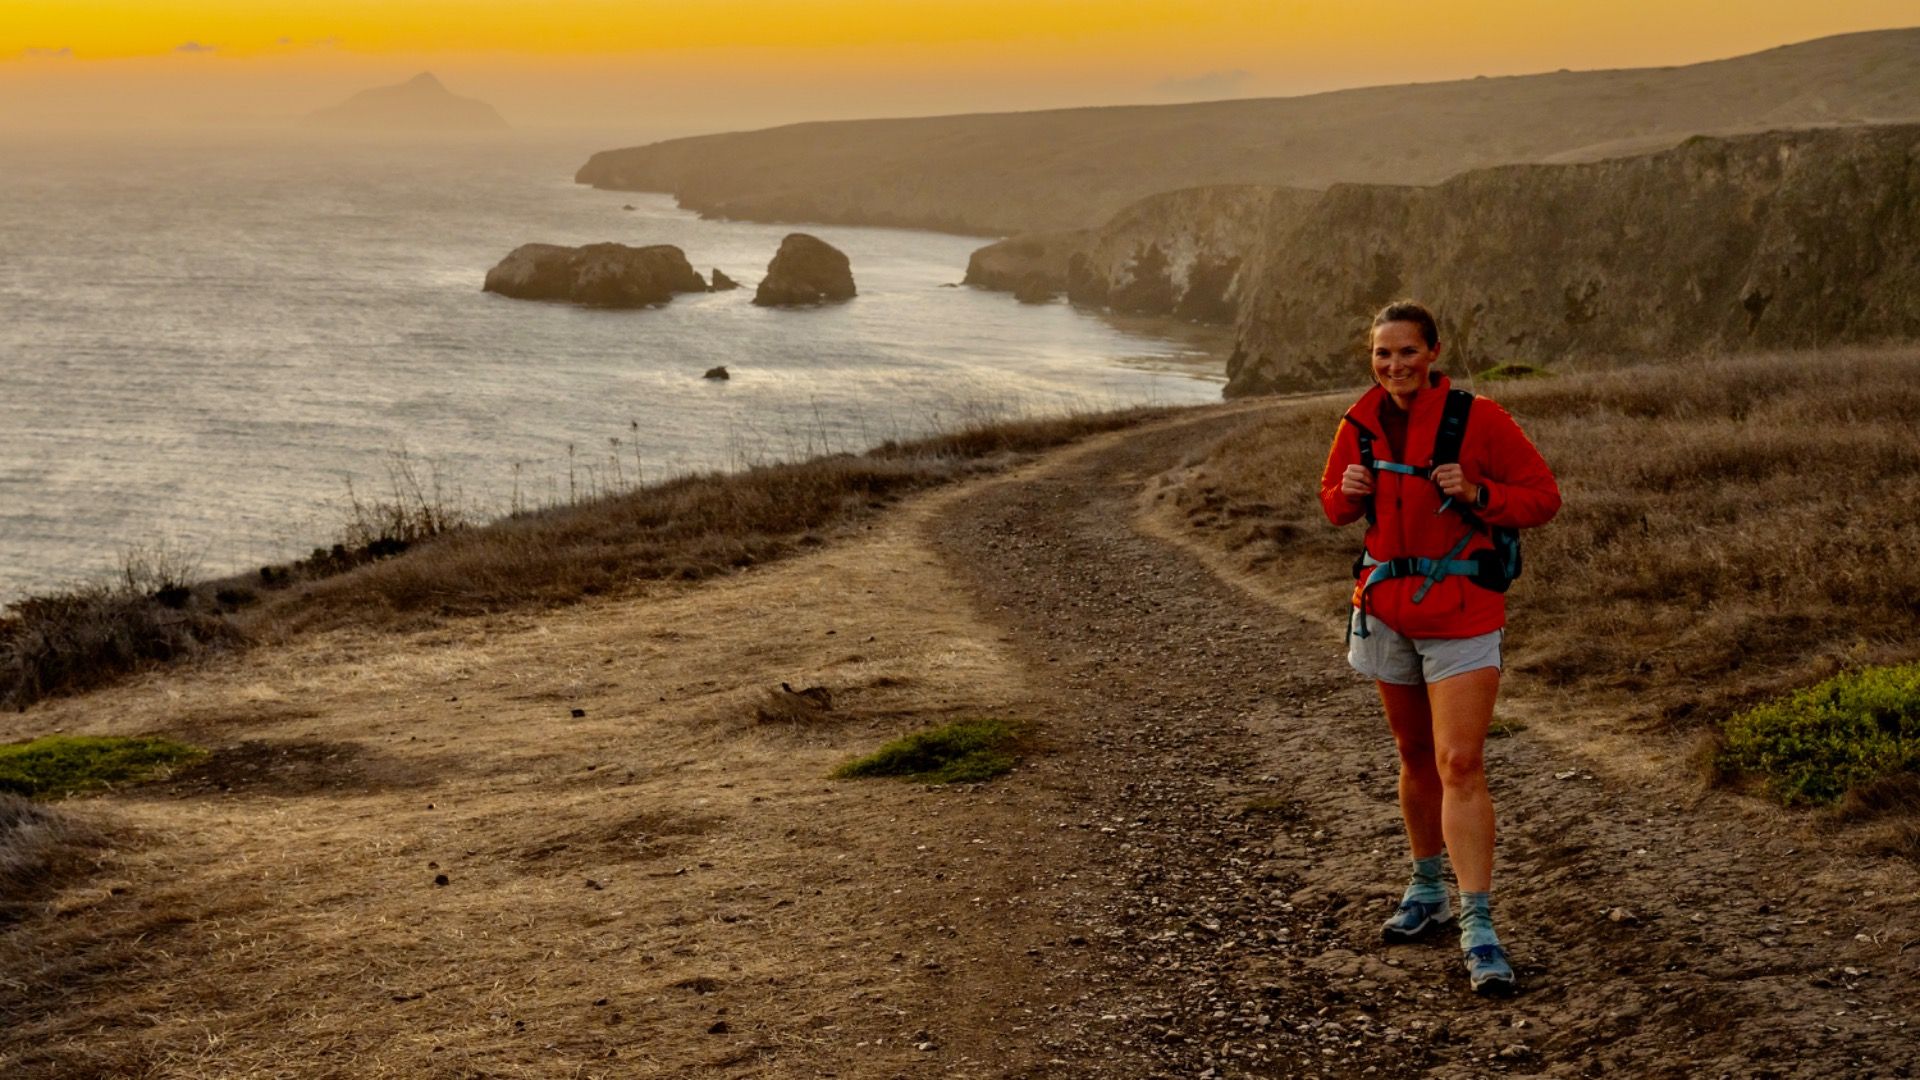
109,29
760,61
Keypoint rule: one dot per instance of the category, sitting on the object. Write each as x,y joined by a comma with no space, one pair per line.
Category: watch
1481,496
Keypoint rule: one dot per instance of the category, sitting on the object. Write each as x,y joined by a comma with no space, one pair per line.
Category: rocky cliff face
1787,239
603,275
1032,261
1181,254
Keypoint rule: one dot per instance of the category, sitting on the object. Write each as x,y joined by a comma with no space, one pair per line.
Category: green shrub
63,765
961,752
1847,732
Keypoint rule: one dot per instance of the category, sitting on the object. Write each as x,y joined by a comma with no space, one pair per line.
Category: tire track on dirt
1241,844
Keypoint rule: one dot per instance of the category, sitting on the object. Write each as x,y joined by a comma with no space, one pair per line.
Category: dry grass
1733,528
689,528
408,559
40,848
87,637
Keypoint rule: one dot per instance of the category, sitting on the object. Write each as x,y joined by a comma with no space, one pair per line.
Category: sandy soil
1187,881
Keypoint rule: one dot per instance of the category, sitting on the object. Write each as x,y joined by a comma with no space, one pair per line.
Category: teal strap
1444,566
1394,466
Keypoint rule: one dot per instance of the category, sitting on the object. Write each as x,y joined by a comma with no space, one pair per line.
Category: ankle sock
1476,920
1426,885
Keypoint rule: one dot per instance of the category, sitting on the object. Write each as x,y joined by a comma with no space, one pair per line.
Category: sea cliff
1181,254
1787,239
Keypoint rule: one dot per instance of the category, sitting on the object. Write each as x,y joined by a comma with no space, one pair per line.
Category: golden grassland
1733,527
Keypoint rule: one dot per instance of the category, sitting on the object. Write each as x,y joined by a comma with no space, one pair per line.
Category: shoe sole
1495,987
1406,937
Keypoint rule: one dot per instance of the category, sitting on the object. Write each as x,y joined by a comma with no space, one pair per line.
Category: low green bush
1816,744
67,764
961,752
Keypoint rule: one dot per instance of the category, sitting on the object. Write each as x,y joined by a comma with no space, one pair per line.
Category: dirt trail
642,879
1237,803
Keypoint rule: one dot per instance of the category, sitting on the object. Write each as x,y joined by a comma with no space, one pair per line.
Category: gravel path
1239,845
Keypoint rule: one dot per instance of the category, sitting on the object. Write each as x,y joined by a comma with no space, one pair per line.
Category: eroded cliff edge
1787,239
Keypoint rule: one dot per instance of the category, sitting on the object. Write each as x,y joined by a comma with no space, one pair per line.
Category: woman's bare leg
1411,718
1462,709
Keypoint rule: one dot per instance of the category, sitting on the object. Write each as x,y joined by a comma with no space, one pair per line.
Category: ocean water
204,342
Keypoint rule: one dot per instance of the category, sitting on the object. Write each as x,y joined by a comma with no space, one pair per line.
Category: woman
1429,607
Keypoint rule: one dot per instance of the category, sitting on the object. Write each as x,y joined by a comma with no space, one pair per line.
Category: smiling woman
1429,606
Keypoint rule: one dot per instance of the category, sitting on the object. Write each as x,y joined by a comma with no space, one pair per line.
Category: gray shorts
1386,656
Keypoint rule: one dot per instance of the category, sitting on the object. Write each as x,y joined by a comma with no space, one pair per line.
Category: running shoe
1488,970
1414,920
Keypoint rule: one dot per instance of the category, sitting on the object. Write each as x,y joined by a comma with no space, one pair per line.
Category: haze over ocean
203,338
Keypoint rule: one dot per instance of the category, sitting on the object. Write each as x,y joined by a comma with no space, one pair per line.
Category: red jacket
1521,493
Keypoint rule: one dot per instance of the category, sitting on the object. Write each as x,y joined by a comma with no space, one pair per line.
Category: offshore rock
806,270
1789,239
602,275
721,282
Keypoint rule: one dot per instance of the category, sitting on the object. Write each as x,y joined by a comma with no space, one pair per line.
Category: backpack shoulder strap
1365,439
1453,427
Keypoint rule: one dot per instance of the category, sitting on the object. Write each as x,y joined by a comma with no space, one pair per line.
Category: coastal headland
1001,174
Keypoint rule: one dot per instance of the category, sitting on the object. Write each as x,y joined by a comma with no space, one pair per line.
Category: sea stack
721,282
806,270
421,104
601,275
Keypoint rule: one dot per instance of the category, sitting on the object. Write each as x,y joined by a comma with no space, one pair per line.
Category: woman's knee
1415,753
1462,766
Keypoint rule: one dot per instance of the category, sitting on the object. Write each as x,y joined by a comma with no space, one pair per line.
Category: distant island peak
420,104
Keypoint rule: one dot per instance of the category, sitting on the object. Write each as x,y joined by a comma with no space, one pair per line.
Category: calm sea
203,342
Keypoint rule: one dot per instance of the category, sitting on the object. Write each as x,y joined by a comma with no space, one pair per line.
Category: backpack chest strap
1433,571
1405,470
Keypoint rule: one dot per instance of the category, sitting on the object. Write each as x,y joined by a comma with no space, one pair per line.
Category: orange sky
666,68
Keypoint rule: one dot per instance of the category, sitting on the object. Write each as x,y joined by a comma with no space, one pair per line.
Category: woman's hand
1357,481
1453,483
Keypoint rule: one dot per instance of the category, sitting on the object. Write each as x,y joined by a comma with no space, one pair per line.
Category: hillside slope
1006,173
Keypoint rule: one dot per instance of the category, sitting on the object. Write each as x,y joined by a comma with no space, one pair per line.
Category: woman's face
1401,358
